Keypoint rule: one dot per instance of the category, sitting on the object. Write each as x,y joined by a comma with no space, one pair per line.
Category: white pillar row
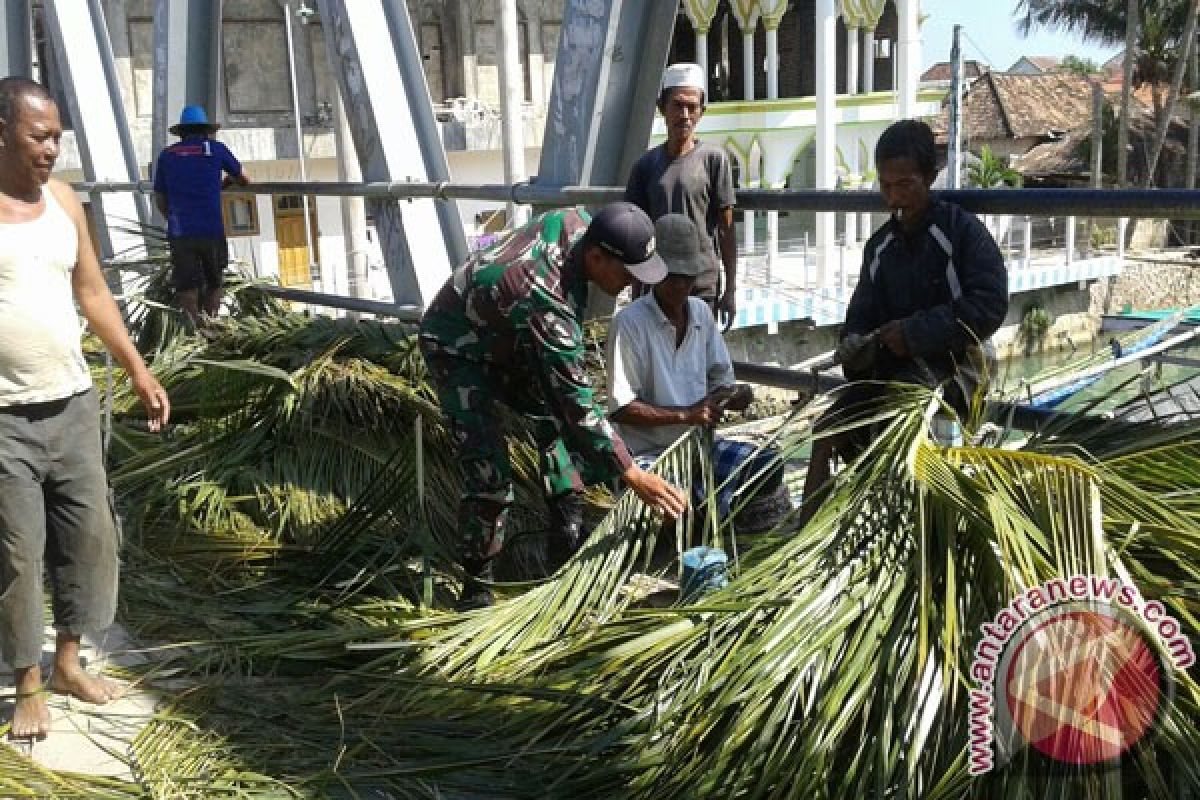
826,135
908,55
702,56
852,61
868,60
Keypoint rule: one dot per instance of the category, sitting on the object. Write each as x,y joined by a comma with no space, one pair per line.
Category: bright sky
990,34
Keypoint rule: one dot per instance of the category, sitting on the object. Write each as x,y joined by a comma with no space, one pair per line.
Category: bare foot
82,685
31,717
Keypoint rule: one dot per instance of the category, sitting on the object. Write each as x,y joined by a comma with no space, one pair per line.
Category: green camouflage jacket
516,306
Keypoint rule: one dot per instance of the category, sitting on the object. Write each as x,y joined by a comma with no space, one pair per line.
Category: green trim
810,103
710,135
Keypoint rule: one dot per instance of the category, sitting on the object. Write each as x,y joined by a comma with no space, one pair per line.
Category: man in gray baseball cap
669,369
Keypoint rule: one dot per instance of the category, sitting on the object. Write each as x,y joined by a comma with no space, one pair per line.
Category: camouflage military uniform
505,327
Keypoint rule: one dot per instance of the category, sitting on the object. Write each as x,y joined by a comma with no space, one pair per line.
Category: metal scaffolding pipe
1147,203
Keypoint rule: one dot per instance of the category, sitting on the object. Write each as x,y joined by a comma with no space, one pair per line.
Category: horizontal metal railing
1145,203
1149,203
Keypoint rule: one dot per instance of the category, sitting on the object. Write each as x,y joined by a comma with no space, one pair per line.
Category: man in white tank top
55,509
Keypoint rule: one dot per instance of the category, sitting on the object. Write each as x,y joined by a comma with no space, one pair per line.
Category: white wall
487,167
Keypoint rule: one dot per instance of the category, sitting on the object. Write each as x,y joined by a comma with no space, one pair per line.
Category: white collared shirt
644,364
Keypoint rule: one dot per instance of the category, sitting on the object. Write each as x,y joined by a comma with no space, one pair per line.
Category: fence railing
1022,219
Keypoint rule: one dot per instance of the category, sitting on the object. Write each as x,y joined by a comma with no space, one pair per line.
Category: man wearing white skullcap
686,176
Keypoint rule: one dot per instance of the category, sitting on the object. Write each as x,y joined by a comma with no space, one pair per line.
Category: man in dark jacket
933,288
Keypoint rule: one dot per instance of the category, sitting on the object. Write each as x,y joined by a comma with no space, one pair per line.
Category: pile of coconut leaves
288,567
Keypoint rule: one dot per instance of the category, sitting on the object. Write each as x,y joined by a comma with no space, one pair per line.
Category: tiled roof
1067,156
941,70
1044,63
1002,105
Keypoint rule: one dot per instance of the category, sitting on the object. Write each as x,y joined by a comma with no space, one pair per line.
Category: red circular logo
1082,686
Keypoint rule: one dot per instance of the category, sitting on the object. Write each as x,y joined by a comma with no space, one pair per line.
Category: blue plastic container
703,572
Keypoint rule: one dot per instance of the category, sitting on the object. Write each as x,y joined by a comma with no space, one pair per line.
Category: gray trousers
56,516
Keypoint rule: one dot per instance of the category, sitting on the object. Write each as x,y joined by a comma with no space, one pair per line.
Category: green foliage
991,171
1084,67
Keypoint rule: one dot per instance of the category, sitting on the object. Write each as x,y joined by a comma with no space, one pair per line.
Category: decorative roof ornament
861,13
700,13
772,13
746,12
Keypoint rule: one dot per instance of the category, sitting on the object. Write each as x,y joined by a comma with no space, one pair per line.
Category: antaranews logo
1075,669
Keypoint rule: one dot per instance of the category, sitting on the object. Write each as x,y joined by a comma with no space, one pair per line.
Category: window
240,213
289,202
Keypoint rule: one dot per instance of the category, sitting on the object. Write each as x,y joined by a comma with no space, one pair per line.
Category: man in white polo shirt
669,369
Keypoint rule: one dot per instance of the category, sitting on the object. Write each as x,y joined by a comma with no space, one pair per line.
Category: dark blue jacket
947,281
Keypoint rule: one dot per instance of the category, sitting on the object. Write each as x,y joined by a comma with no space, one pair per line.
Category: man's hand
741,397
892,337
154,399
733,397
654,491
706,412
727,309
856,351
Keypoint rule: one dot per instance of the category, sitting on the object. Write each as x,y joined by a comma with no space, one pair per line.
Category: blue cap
193,116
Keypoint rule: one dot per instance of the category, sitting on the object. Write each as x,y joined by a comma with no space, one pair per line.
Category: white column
772,244
1070,240
1027,244
826,57
748,63
908,55
864,226
702,57
868,61
354,210
512,121
748,231
772,63
852,88
852,218
852,61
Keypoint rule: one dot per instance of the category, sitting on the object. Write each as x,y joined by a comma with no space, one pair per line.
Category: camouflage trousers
469,392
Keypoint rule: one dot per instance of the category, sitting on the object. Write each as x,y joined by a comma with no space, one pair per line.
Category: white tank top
40,355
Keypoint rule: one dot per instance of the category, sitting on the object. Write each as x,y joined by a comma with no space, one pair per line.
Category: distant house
939,73
1035,65
1013,113
1066,162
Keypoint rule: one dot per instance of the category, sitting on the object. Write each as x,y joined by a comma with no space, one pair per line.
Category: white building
799,93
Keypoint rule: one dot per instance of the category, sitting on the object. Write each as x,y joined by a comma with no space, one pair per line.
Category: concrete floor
86,738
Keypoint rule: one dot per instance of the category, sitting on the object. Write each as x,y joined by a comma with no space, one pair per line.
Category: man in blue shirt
187,189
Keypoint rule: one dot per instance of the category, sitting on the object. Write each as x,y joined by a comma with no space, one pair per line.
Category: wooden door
290,237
